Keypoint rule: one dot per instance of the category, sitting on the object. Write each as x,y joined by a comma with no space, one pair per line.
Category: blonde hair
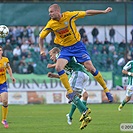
54,50
56,7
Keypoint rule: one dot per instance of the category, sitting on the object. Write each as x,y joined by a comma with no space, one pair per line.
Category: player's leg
76,82
85,97
60,64
4,97
70,115
129,93
127,99
84,92
84,57
97,75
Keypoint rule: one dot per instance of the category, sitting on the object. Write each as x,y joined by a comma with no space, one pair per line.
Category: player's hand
42,53
50,75
109,9
13,79
49,65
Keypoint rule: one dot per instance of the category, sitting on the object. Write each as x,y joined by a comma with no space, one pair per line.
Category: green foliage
52,119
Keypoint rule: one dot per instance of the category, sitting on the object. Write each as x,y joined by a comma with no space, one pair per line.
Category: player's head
1,50
53,53
55,12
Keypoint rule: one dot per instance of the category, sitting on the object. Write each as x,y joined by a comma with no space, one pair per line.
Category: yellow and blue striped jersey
65,30
4,64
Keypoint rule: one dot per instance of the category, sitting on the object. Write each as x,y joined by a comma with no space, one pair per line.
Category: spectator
132,34
85,38
22,68
109,64
17,32
17,51
7,48
30,32
106,41
121,62
132,55
94,33
36,34
122,44
112,35
31,48
95,50
115,56
25,33
30,68
29,59
15,61
24,53
82,31
25,46
97,42
104,50
111,48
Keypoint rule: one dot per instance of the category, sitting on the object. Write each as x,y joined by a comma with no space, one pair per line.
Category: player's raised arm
43,35
95,12
42,50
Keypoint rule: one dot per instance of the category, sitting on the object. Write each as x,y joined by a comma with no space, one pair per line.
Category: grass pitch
52,119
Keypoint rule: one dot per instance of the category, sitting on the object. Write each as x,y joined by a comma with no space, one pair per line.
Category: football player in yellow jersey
67,35
4,66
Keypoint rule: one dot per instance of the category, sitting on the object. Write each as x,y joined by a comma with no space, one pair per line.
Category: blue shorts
78,50
3,87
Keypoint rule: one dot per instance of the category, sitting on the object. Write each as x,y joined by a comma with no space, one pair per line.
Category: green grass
52,119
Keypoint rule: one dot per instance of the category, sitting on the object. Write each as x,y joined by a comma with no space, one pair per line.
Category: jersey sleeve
127,66
7,62
45,31
78,14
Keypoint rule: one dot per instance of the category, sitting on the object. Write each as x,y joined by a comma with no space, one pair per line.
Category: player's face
52,56
1,51
53,13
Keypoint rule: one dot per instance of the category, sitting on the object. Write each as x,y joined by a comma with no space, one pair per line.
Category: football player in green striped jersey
128,70
78,81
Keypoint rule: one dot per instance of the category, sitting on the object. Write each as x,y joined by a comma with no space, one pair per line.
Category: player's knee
85,96
58,68
5,102
89,66
128,99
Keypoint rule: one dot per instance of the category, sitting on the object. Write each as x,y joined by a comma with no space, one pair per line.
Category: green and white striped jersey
73,66
129,67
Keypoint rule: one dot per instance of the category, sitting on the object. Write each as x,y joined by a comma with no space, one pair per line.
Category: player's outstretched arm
95,12
51,65
127,72
52,75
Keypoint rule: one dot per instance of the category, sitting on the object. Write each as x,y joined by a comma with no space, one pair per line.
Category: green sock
81,107
73,108
84,102
124,102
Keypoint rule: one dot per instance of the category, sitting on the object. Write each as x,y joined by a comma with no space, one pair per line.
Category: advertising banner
17,98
